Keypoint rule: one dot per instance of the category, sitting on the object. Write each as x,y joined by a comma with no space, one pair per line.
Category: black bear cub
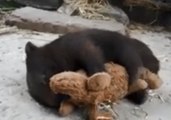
89,50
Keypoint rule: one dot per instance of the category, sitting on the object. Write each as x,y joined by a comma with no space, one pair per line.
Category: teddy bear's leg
137,85
92,111
104,116
66,108
99,81
152,79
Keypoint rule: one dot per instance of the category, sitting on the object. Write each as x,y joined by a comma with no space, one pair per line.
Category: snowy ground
16,104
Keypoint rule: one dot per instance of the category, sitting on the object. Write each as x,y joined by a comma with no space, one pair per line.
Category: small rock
19,47
139,112
21,93
169,95
17,71
167,45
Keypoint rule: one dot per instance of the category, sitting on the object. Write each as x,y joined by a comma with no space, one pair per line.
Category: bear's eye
43,76
44,79
48,73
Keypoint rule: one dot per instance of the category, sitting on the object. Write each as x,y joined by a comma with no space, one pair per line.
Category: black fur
88,50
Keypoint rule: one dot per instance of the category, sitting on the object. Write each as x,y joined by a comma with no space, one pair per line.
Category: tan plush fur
111,85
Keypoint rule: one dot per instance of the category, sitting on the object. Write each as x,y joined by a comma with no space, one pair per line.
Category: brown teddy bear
108,86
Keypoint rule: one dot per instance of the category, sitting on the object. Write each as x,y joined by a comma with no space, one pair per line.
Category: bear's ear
30,47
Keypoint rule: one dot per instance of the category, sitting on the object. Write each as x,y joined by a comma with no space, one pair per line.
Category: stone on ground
48,21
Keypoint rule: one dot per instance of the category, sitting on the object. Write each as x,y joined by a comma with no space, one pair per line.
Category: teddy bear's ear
30,47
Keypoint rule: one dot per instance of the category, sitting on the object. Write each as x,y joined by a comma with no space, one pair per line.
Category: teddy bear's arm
66,107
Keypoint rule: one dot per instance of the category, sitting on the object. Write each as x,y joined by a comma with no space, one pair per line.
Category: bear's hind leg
133,64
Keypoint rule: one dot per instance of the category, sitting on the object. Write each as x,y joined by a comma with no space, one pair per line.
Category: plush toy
108,86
